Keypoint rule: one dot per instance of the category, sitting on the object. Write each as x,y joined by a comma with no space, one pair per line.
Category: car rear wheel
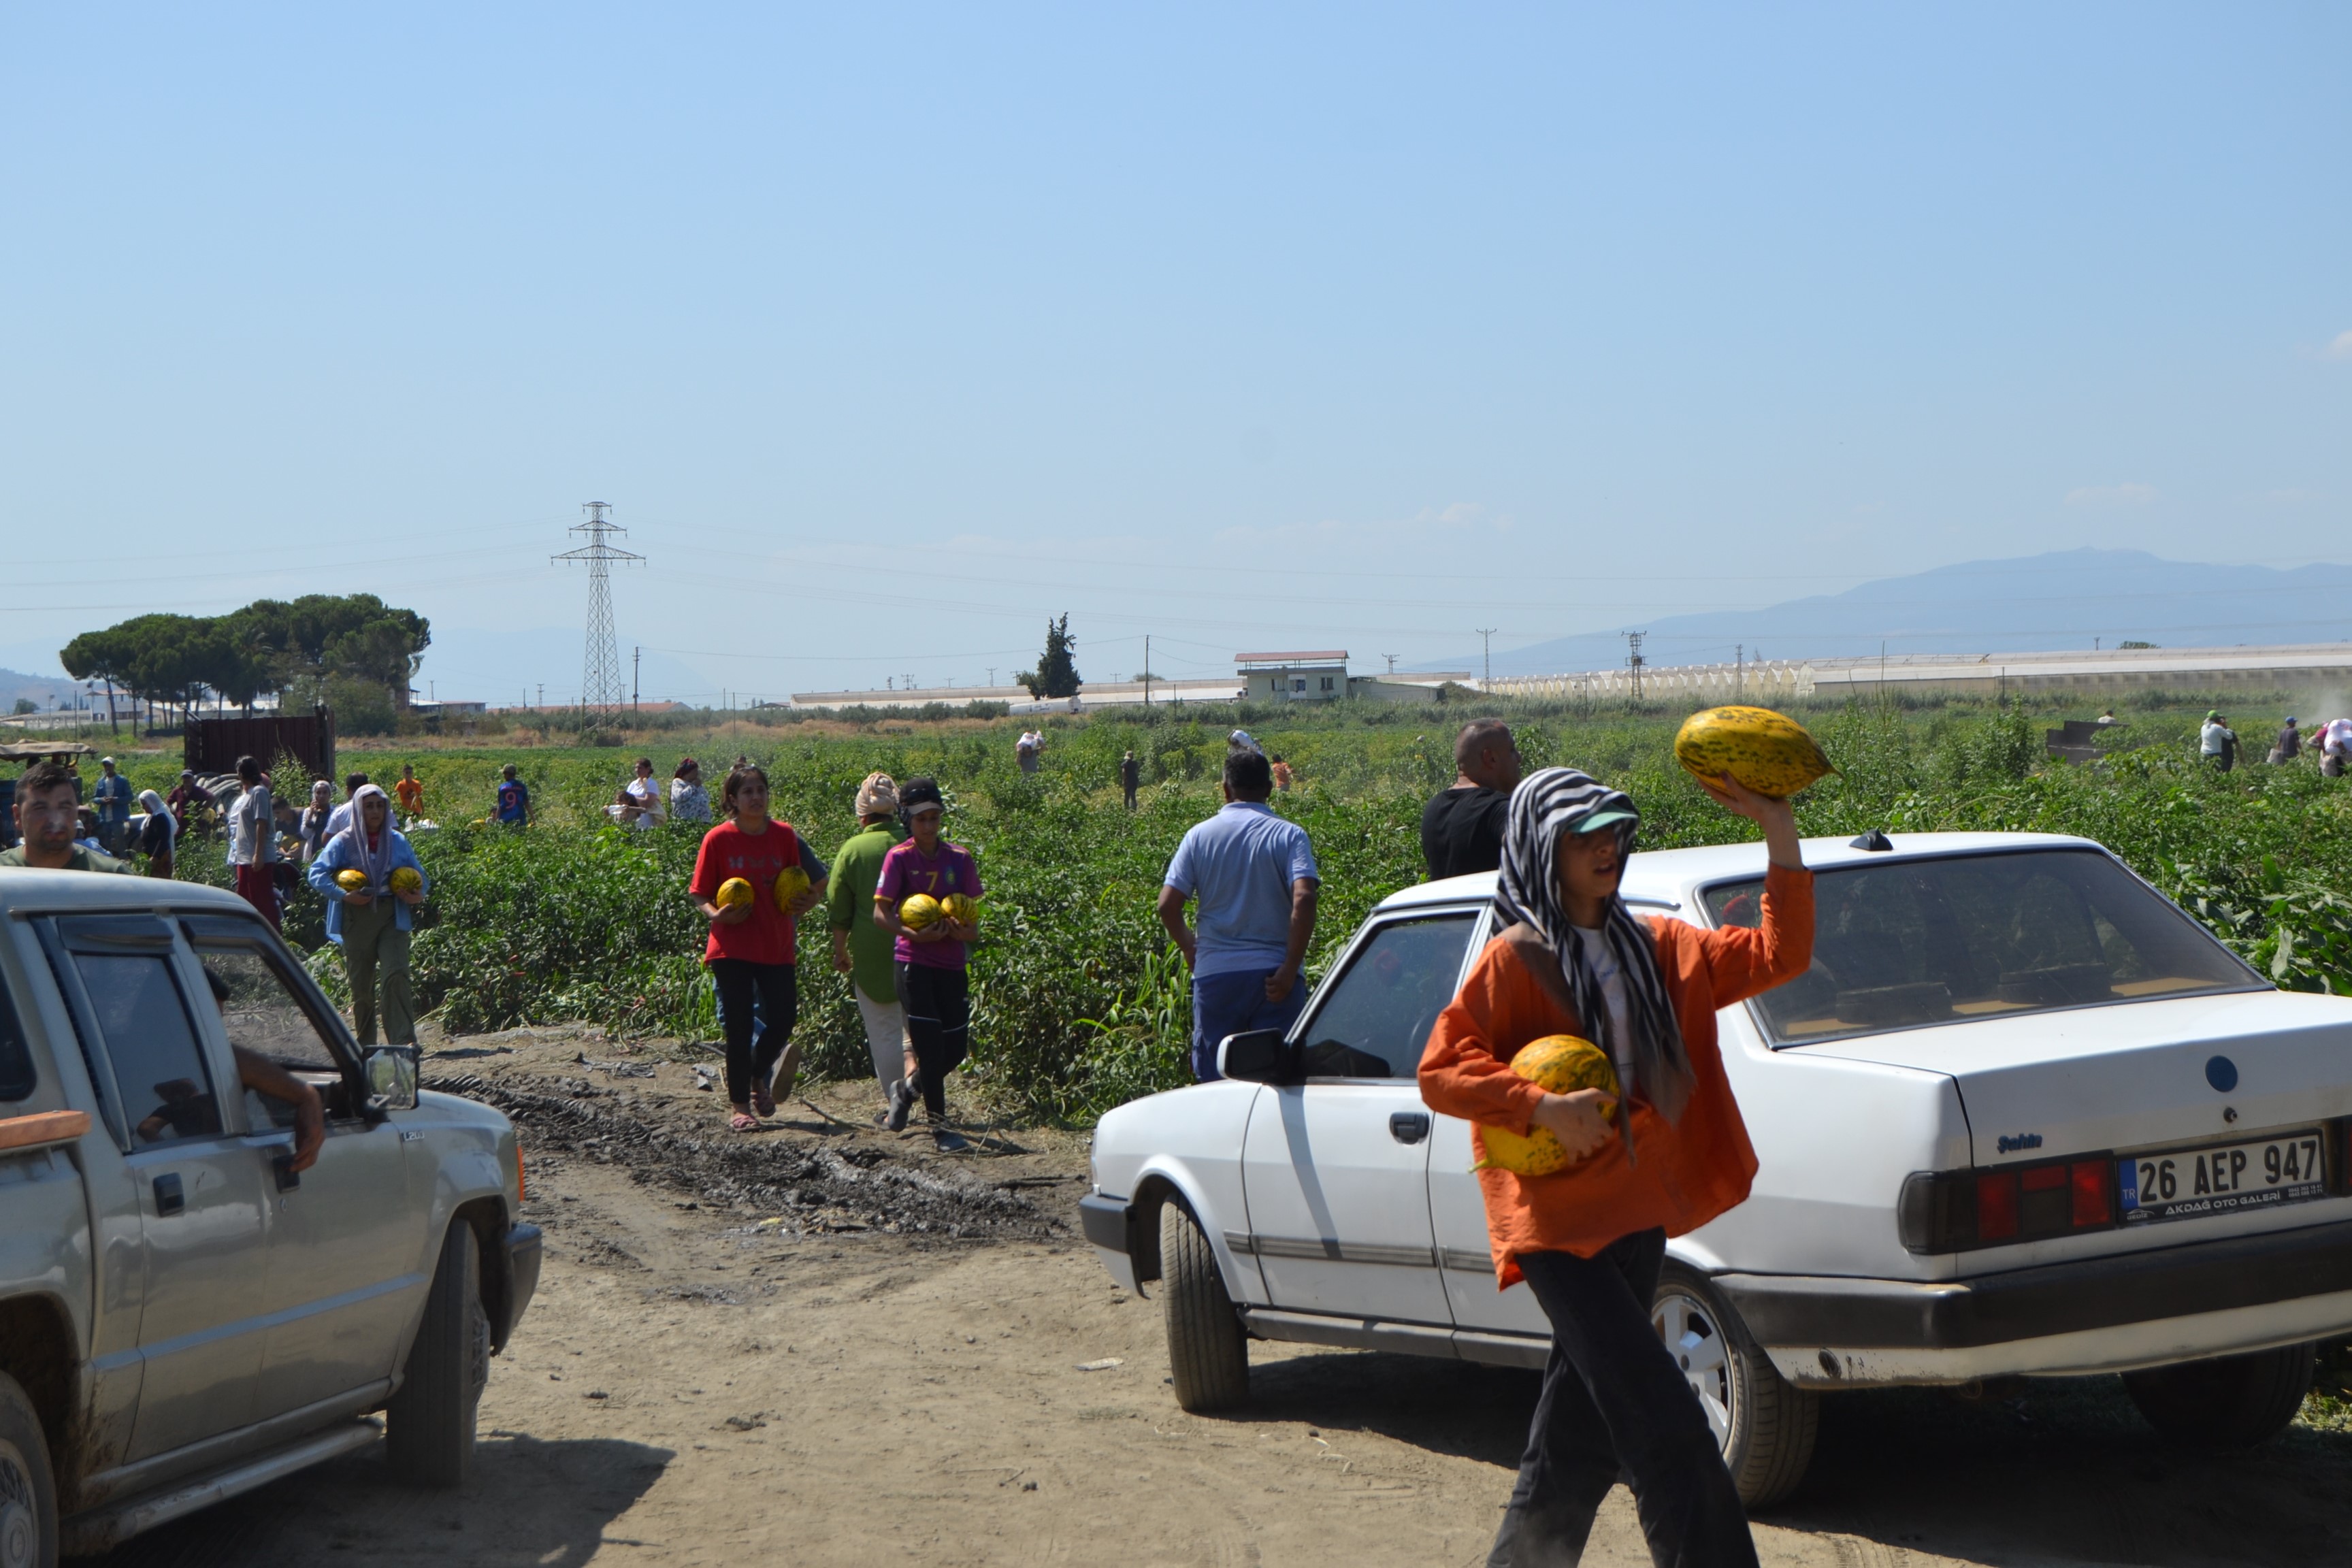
2232,1401
28,1493
1208,1353
1764,1424
429,1424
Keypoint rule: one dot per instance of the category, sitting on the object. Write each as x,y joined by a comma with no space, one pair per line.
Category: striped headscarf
1549,804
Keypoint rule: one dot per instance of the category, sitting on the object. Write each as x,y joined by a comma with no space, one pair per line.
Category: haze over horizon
889,337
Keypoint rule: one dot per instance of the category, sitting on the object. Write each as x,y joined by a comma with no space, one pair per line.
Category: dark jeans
1231,1003
1614,1397
772,992
938,1024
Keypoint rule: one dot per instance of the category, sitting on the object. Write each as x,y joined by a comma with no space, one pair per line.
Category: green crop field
1078,1004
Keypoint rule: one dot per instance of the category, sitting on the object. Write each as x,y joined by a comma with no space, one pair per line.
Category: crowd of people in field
1239,900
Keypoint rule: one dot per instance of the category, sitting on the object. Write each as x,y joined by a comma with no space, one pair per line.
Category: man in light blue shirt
1253,875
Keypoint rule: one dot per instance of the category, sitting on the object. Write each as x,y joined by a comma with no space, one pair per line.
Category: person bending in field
1668,1154
929,962
752,952
159,834
371,924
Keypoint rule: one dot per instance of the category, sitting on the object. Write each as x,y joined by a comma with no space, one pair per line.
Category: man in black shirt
1131,774
1462,827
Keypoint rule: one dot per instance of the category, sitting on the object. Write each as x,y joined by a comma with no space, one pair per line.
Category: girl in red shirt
754,946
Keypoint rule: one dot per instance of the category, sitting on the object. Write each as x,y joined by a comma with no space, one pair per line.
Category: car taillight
2087,1179
1954,1211
1996,1206
521,1194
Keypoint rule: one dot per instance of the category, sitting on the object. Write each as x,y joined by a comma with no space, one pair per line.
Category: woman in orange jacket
1666,1156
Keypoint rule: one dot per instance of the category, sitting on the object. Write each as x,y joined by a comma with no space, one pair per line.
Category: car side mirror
392,1077
1258,1056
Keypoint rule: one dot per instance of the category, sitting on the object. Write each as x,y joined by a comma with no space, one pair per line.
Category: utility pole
1739,672
1634,660
600,677
1392,659
1147,669
991,675
1487,642
542,694
636,661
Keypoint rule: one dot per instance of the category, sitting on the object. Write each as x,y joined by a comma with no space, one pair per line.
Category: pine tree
1057,674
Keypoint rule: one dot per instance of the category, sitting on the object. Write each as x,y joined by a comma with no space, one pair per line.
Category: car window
1377,1016
16,1060
1927,942
158,1067
264,1016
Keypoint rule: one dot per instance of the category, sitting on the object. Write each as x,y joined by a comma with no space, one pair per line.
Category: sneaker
902,1104
949,1142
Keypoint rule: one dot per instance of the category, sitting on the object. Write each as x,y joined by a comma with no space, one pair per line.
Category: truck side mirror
1258,1056
392,1077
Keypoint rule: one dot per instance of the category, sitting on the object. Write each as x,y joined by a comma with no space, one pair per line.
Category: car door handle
169,1196
1409,1126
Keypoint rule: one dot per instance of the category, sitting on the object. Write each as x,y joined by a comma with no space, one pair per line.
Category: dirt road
753,1367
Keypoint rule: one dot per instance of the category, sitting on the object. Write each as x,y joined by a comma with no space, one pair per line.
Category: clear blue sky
891,333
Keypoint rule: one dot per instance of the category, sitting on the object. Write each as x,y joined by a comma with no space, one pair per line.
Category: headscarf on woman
152,805
878,795
1549,804
374,859
315,816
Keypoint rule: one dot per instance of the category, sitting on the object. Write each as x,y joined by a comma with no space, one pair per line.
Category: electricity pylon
600,692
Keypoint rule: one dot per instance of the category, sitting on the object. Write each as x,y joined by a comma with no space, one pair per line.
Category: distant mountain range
44,690
2033,603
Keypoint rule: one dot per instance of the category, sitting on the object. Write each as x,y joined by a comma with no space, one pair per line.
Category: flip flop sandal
744,1121
764,1102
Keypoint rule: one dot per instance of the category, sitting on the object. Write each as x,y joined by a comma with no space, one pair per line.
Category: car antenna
1874,840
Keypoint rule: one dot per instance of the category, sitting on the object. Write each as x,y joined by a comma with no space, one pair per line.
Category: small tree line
351,650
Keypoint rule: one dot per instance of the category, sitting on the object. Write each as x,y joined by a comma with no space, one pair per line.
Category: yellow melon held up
1770,752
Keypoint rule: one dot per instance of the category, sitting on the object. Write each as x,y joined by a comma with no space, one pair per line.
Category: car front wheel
28,1493
1208,1353
2232,1401
1764,1424
429,1424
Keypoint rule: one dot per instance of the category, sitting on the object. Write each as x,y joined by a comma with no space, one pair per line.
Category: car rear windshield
1928,942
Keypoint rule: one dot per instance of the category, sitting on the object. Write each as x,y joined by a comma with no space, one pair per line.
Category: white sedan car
2022,1117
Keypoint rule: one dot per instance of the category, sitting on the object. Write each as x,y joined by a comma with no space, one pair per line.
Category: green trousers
374,947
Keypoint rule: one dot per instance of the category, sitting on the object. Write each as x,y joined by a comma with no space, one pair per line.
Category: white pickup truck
183,1316
2022,1117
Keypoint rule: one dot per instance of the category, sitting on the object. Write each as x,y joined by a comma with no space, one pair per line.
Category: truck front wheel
29,1492
2232,1401
429,1424
1208,1354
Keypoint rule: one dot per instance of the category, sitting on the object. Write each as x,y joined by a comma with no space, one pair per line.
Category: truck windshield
1930,941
